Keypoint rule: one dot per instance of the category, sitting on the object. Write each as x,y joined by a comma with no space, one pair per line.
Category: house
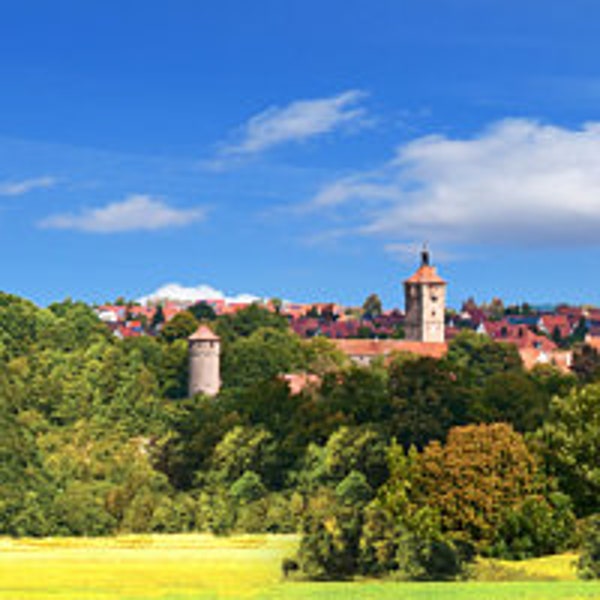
555,324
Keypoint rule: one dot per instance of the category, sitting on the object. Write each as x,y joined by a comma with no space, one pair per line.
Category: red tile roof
356,347
204,333
425,274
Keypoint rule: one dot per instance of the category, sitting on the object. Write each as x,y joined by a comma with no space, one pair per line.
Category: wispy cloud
178,292
298,121
135,213
517,182
18,188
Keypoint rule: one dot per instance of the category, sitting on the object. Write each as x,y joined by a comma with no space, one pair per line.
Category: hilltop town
543,335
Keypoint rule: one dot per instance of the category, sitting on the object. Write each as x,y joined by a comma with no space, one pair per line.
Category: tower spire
425,255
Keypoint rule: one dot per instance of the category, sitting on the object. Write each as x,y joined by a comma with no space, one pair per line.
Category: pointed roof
426,272
204,334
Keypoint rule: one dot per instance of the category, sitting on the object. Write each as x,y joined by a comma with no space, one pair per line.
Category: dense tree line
409,466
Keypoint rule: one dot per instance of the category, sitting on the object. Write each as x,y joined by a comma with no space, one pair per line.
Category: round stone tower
204,362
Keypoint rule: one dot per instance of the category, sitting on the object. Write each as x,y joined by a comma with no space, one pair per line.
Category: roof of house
204,333
425,274
532,357
297,382
360,347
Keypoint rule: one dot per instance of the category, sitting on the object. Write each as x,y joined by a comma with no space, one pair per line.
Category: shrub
537,527
589,561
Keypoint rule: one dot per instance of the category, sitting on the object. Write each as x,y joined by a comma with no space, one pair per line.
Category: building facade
425,304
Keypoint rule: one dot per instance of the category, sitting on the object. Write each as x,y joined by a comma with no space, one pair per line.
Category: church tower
425,303
204,362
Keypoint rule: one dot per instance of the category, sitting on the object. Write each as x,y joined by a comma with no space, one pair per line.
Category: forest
411,466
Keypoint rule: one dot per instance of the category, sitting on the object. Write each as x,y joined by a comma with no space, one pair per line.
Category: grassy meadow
181,567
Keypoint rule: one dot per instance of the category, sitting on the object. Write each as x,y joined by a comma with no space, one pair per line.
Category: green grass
183,567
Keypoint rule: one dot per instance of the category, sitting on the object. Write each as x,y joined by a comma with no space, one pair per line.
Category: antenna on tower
425,255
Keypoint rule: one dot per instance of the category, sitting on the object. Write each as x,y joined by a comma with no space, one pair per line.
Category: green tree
372,307
588,566
479,473
262,355
537,527
570,445
513,397
427,398
203,311
247,321
158,318
480,357
586,363
180,327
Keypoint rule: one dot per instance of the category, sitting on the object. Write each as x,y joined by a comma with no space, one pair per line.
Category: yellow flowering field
181,567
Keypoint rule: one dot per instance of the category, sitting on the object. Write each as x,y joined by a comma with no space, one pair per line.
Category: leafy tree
180,327
358,393
329,546
158,318
262,355
372,307
495,469
203,311
536,527
427,398
247,488
356,450
277,304
173,373
323,356
242,449
480,357
513,397
402,537
586,363
588,566
247,321
570,445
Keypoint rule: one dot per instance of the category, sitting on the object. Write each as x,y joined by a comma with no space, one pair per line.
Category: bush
329,547
589,561
537,527
433,558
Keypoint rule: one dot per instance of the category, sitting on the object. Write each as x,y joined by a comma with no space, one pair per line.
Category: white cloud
18,188
517,182
180,293
135,213
298,121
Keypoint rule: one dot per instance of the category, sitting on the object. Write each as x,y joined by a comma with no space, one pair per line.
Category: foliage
180,327
537,527
428,398
247,321
495,469
372,307
513,397
570,445
329,547
588,566
481,357
203,311
264,354
586,363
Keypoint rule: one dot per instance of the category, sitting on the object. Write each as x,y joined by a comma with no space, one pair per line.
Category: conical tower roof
204,334
426,273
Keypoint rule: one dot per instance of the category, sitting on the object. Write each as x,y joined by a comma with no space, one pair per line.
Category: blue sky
300,149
